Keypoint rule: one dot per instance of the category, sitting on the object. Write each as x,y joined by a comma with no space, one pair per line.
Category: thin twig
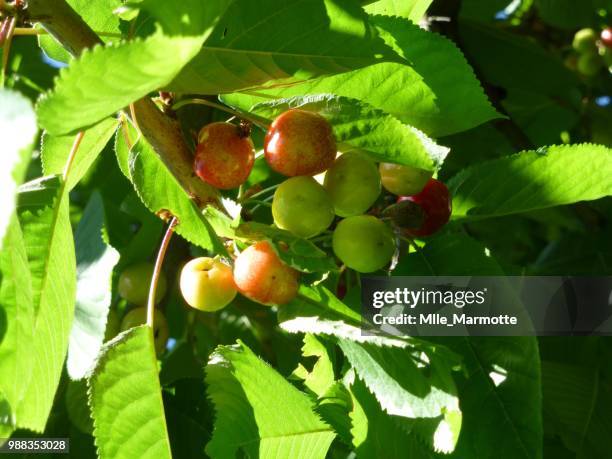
73,151
6,49
24,31
157,270
244,116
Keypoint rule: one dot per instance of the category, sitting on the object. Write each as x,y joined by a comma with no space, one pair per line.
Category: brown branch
163,133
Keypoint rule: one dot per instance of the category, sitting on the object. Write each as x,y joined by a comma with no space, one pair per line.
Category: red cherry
436,204
606,37
300,143
224,158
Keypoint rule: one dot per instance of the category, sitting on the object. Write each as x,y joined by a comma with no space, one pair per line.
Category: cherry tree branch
162,132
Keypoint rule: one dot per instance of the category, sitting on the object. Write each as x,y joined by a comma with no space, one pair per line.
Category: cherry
353,184
585,41
301,205
363,243
435,202
262,276
207,284
606,37
589,64
224,155
134,283
403,180
138,316
299,142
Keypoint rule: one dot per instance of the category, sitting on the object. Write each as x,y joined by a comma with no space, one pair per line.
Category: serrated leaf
401,388
551,176
500,370
437,93
259,414
55,150
17,131
104,80
409,9
316,310
17,322
98,14
288,40
95,262
359,126
125,399
378,434
158,189
321,377
187,17
43,213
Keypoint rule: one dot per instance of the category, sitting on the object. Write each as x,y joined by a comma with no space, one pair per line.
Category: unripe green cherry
403,180
134,283
138,316
207,284
302,206
585,41
589,64
363,243
353,184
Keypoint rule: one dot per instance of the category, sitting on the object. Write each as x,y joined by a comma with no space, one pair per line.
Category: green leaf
43,213
358,126
259,414
438,93
125,399
159,190
104,80
378,434
55,150
187,17
17,131
17,323
321,377
499,370
409,9
405,390
566,14
95,262
551,176
98,14
288,40
316,310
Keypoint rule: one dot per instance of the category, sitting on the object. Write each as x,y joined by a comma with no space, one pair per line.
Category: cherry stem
73,151
262,192
258,202
8,28
28,31
161,254
244,116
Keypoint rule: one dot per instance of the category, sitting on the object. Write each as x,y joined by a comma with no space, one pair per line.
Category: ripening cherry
403,180
138,316
435,201
299,142
585,41
353,184
207,284
134,283
606,37
263,277
363,243
302,206
224,155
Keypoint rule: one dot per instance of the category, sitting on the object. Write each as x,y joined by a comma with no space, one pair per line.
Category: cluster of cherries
593,51
299,145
